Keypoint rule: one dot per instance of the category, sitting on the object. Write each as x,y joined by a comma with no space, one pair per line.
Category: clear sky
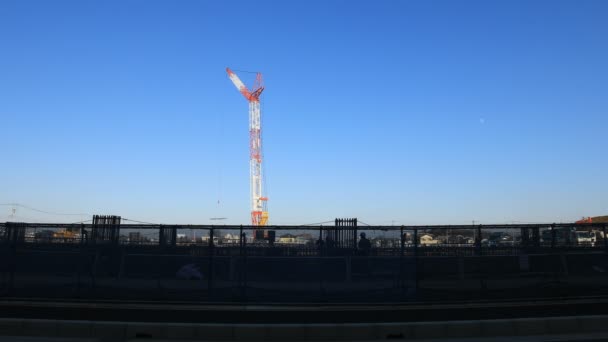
395,112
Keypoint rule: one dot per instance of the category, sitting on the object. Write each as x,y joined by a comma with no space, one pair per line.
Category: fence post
401,271
525,237
483,267
173,236
161,236
81,259
243,264
605,240
320,260
478,241
241,253
320,241
536,236
12,245
161,246
416,258
355,239
553,233
211,252
15,235
241,241
82,233
402,242
416,242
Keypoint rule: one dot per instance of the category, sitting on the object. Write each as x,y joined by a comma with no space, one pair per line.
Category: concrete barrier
305,332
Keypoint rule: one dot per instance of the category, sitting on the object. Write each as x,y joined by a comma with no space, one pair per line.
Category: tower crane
259,211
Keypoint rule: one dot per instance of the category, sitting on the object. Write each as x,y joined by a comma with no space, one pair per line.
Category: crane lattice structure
259,211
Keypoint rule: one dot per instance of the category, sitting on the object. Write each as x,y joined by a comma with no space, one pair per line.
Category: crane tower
259,211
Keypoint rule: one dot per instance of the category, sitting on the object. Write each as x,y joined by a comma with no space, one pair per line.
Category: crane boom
259,211
240,86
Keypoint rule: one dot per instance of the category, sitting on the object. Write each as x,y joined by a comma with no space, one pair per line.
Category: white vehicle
585,239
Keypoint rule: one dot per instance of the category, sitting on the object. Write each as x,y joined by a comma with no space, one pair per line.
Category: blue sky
404,112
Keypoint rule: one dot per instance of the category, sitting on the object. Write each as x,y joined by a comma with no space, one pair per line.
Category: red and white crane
259,211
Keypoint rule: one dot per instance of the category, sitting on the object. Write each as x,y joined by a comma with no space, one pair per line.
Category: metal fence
301,263
311,240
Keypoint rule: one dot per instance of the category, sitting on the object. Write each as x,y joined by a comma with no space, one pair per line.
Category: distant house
287,239
205,239
427,239
290,239
182,238
45,235
305,238
231,239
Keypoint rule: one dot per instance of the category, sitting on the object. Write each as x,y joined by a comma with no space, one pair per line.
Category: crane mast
259,211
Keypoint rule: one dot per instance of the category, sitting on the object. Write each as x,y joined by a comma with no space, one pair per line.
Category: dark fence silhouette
205,263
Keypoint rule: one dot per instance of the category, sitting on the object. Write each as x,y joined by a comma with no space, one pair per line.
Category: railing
224,263
385,240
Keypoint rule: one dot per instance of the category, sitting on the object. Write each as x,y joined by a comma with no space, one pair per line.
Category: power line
315,224
142,222
41,211
359,221
89,220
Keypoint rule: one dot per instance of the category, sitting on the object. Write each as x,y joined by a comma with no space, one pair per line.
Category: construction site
366,171
111,268
340,261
